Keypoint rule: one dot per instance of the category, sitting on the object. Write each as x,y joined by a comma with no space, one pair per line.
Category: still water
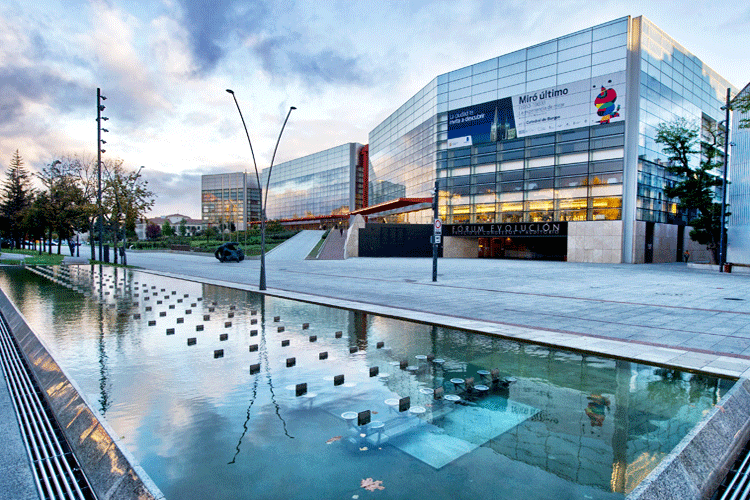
204,386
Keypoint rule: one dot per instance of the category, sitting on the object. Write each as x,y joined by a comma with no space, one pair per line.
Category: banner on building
578,104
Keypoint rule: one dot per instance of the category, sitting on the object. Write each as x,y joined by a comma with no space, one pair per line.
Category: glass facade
540,134
226,199
314,185
738,192
673,83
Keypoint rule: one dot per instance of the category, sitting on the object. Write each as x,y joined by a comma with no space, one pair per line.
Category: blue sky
346,65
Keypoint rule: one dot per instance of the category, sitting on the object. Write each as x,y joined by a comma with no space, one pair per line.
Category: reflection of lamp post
263,201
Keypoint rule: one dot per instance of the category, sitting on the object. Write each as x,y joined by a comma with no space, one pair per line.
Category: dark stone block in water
313,338
206,317
193,305
253,333
232,308
284,343
339,334
353,349
188,311
227,324
254,368
253,312
198,328
403,364
380,345
363,417
179,301
170,331
300,389
253,347
146,298
152,322
223,337
158,302
174,292
430,357
211,309
253,321
280,329
180,320
290,362
162,313
171,306
374,371
230,315
136,316
218,353
323,355
276,319
404,403
338,379
305,326
192,341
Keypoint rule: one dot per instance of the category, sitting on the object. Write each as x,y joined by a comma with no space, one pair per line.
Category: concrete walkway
298,247
660,313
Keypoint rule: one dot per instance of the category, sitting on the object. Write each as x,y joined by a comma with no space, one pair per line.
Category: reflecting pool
226,394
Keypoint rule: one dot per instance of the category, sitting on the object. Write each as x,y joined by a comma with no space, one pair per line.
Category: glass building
549,152
738,192
229,199
315,185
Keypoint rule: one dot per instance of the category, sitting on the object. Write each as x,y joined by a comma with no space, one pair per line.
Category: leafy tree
741,103
153,231
682,144
183,228
126,197
167,229
16,197
67,210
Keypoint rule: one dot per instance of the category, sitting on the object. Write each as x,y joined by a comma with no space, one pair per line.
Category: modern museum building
548,152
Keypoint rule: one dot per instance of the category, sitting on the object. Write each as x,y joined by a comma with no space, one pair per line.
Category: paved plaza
661,313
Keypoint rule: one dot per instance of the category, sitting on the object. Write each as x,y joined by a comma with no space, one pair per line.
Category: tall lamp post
99,118
722,237
264,193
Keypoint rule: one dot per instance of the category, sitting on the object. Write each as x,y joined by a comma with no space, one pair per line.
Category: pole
722,238
99,168
264,205
434,235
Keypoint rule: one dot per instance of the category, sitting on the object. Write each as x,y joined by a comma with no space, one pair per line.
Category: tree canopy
683,142
16,197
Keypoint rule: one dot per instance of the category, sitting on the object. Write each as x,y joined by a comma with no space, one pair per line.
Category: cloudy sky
346,65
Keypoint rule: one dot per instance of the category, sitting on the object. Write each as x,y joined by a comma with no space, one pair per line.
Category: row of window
604,208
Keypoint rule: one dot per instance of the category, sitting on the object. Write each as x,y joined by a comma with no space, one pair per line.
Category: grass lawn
33,259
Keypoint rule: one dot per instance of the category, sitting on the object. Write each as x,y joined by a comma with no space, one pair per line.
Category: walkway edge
111,470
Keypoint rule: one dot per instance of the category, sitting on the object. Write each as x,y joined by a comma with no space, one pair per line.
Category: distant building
308,189
738,193
192,226
230,199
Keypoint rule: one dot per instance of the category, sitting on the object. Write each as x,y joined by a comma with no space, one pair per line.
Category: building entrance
523,247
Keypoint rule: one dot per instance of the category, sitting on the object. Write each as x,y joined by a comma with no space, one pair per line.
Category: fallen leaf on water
333,439
371,485
374,412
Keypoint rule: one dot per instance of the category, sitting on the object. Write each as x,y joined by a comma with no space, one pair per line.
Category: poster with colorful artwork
578,104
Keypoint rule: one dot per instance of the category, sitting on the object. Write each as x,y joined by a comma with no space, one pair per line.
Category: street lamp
99,108
722,237
264,193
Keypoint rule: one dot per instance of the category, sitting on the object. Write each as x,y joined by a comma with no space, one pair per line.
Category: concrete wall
351,247
460,248
595,241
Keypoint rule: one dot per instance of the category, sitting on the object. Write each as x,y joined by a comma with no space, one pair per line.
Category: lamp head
102,98
230,91
292,107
